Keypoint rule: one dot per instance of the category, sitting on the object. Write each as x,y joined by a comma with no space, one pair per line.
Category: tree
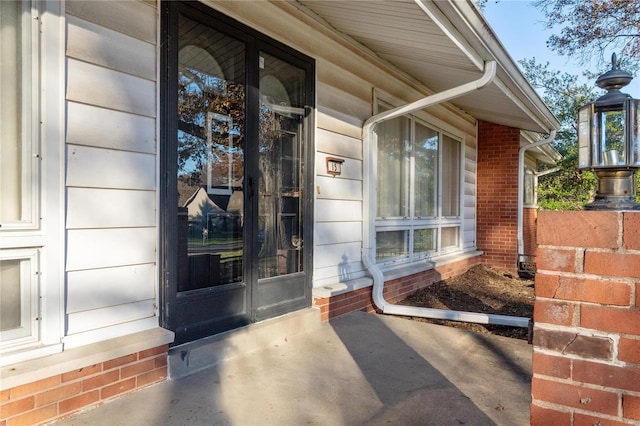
568,188
589,30
593,29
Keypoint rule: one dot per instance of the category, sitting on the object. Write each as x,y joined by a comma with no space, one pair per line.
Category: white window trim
47,238
438,222
30,178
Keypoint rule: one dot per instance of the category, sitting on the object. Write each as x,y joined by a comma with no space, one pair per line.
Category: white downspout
521,153
368,252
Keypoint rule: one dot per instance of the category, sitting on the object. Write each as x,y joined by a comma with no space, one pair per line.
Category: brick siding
497,194
66,394
529,221
586,360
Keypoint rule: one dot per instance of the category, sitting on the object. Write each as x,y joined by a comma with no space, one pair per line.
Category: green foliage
568,188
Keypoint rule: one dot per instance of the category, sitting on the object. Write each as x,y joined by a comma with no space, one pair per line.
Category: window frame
42,237
529,182
29,287
412,223
29,162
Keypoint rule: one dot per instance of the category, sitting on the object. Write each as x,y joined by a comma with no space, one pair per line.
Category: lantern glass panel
610,128
635,132
584,136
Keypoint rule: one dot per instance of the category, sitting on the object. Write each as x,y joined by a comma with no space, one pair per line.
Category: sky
520,28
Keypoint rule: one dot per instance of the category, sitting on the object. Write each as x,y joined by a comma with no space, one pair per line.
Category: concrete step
191,357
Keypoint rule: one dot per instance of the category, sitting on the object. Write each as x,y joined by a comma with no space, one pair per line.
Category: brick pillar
586,358
497,192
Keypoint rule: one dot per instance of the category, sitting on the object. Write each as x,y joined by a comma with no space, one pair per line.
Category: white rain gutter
521,153
368,250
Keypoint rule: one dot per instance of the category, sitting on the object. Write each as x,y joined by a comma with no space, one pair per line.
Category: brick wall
65,394
395,290
497,192
529,225
586,360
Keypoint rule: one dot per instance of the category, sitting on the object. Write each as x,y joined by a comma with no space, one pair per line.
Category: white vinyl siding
109,287
106,128
108,168
105,208
111,216
338,219
98,86
469,197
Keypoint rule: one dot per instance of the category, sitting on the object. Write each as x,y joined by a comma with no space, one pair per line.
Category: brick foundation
395,290
497,194
586,361
68,393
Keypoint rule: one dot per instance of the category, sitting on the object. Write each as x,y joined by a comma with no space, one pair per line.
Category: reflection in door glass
280,161
211,97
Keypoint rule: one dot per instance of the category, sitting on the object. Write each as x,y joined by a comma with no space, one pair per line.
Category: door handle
251,188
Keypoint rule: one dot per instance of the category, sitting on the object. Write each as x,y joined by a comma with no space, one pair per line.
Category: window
18,293
18,160
22,238
529,192
418,190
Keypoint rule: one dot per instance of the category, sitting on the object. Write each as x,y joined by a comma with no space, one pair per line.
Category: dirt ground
481,289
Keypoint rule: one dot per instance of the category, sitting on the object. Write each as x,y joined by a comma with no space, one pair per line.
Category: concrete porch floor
357,369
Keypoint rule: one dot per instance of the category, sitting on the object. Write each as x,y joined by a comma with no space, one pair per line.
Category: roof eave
481,36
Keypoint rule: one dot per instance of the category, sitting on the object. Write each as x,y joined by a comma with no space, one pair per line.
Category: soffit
440,55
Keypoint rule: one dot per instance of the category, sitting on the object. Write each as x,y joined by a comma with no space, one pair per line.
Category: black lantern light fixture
609,142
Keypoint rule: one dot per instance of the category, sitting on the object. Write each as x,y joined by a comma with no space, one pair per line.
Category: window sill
337,289
62,362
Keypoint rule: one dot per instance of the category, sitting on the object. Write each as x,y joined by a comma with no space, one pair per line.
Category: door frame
255,42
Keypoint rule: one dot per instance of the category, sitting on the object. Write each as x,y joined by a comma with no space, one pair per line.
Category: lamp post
609,142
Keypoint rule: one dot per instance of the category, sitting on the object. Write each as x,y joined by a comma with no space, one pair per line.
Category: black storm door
236,175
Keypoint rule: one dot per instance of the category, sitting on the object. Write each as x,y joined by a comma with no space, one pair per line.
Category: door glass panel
281,143
211,146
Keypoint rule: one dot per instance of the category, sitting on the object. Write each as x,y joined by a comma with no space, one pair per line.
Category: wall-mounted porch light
609,142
